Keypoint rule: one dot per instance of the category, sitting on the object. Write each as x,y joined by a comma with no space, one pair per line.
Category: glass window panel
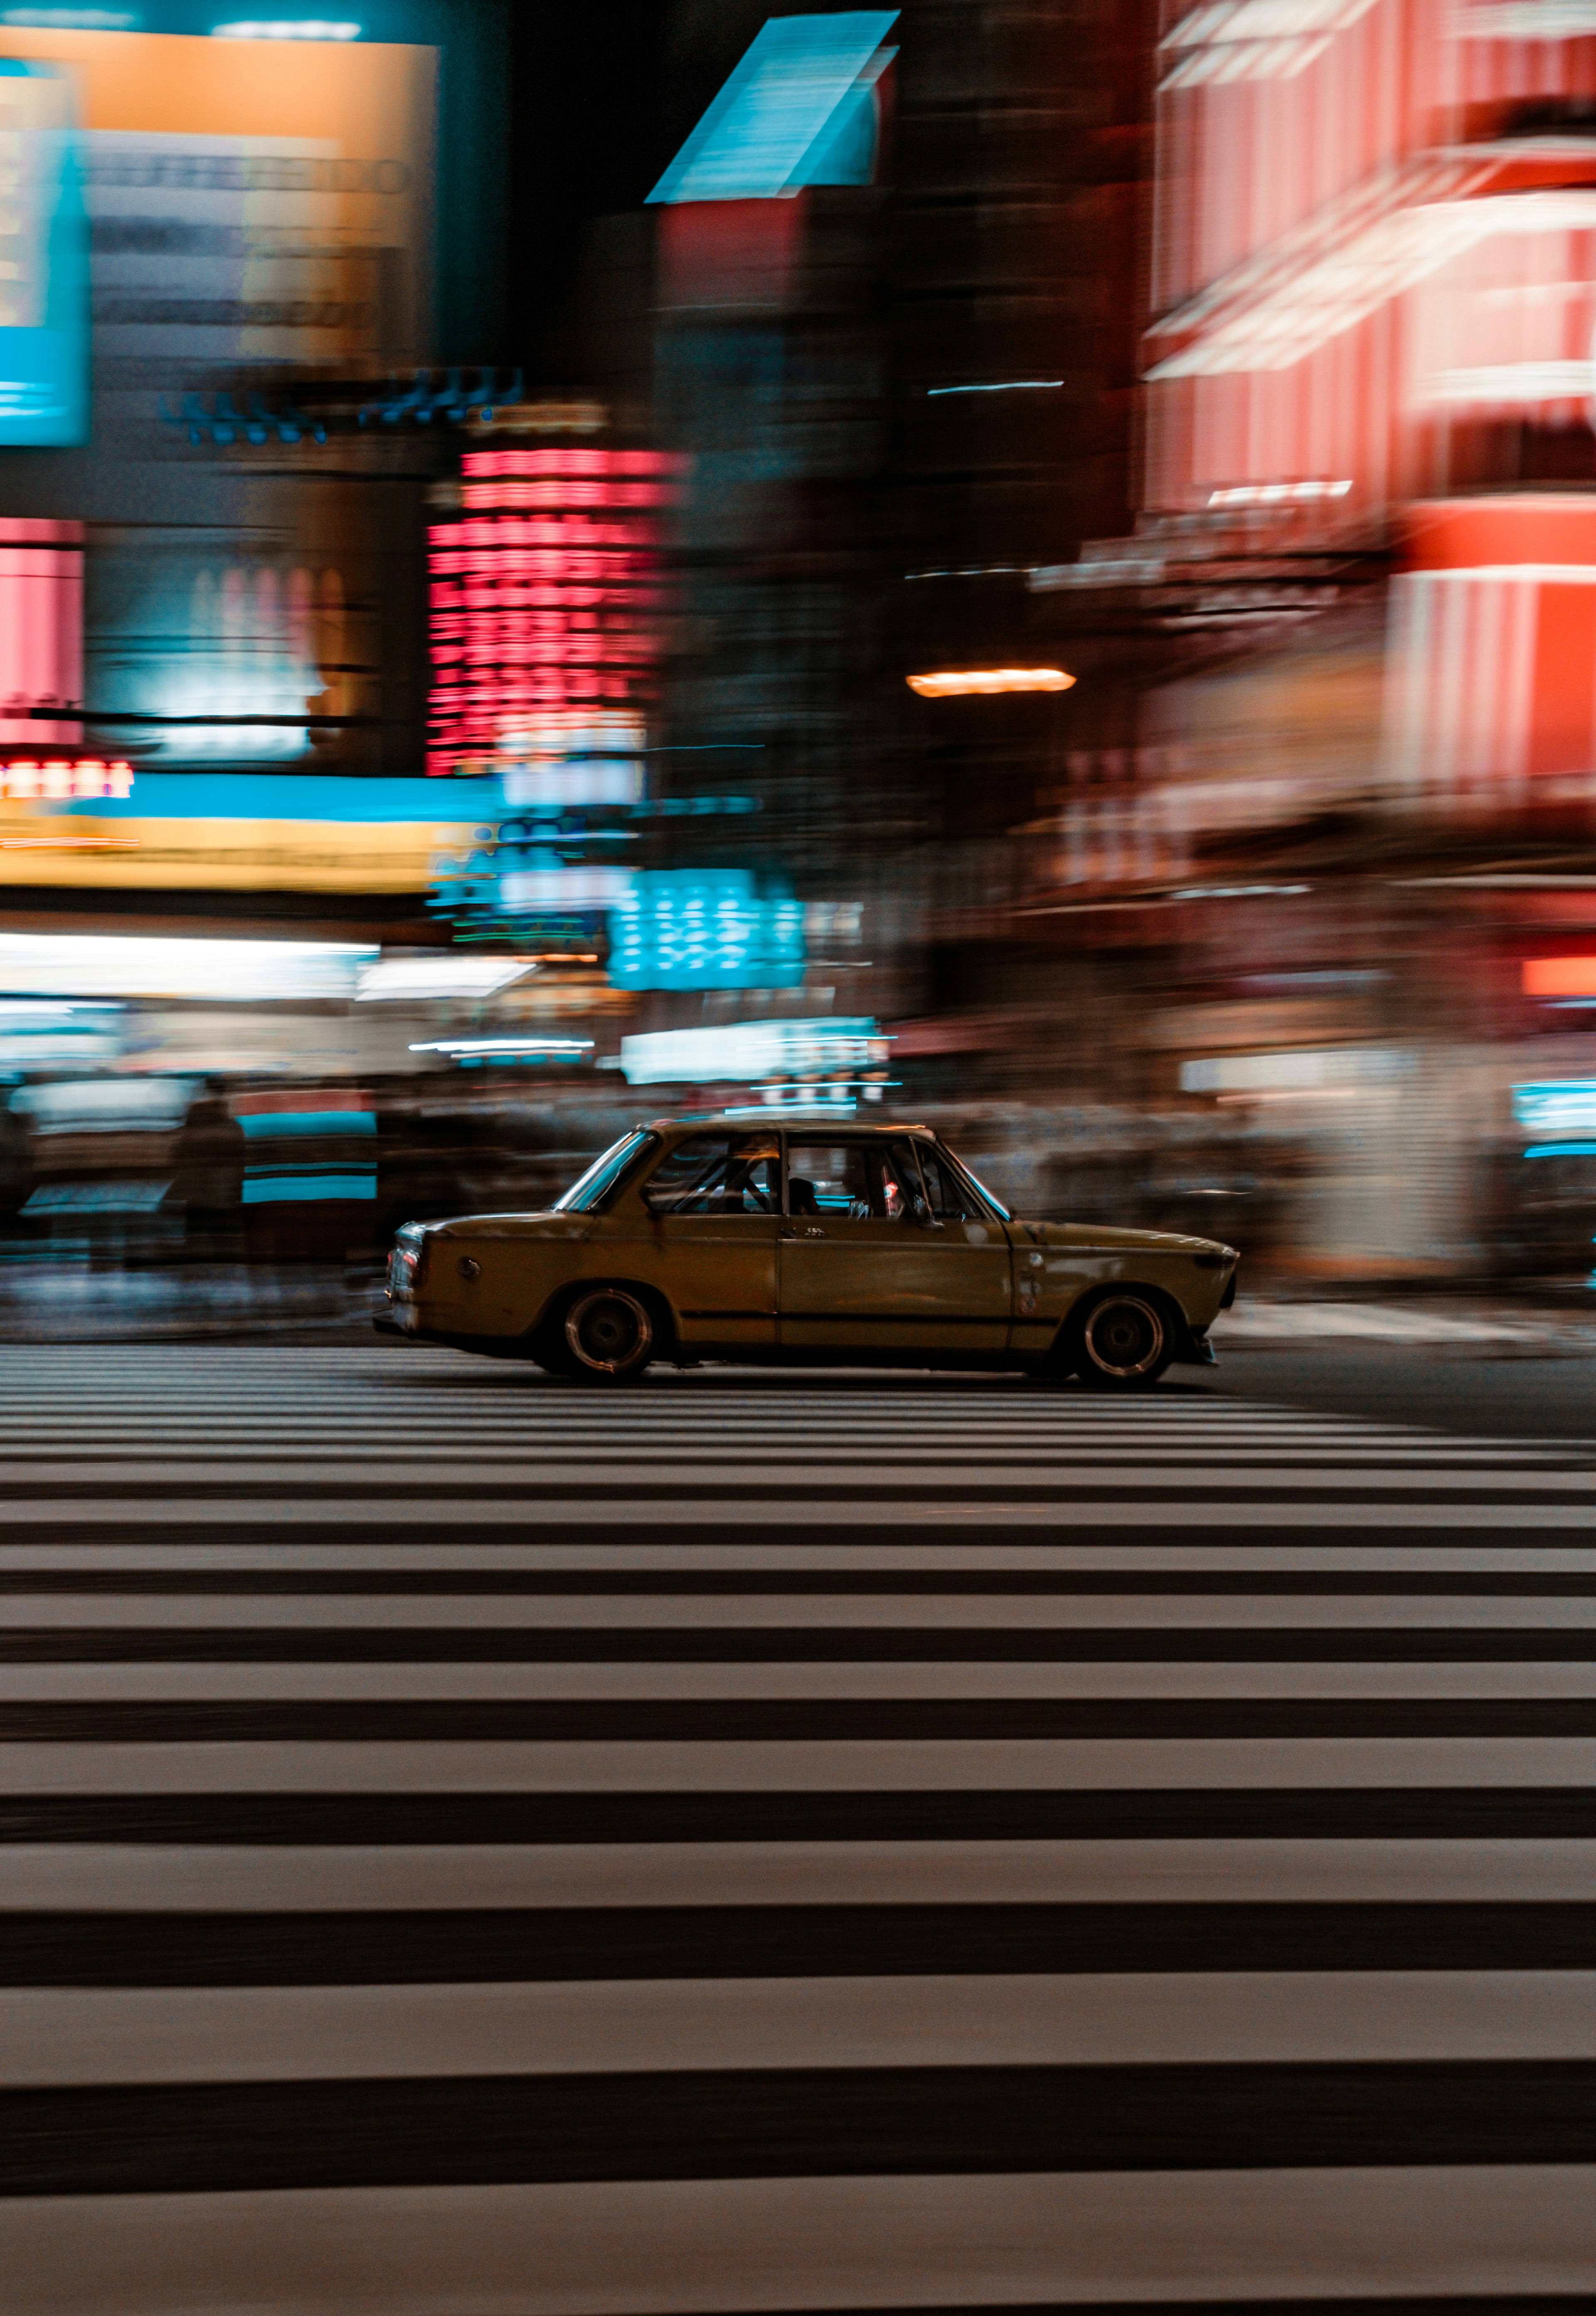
716,1174
949,1199
587,1193
869,1180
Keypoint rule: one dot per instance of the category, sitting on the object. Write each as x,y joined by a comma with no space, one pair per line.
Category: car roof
777,1123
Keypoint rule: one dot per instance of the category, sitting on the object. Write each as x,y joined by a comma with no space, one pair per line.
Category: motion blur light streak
469,1046
950,684
750,1051
112,964
311,27
1559,976
72,19
423,979
1565,1106
1247,495
1002,386
1303,1072
586,888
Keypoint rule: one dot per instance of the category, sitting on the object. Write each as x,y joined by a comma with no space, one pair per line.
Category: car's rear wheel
608,1336
1123,1342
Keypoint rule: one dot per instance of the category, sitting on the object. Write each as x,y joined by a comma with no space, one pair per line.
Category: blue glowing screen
705,929
799,110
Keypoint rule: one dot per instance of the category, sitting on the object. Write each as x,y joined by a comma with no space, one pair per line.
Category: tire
1122,1342
607,1336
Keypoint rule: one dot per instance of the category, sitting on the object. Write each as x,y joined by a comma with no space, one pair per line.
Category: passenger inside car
867,1180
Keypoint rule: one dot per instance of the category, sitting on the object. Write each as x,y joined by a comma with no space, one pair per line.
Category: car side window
949,1201
828,1179
867,1180
717,1174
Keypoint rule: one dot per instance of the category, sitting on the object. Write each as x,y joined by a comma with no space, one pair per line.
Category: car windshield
590,1190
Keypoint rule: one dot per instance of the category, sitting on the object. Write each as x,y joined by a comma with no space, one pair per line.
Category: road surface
474,1847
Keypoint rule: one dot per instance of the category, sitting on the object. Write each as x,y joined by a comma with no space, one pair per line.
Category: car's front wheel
608,1336
1123,1342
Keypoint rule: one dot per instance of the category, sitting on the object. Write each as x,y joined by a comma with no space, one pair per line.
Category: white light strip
114,965
422,977
1515,382
1538,575
1276,494
506,1046
72,19
309,28
752,1052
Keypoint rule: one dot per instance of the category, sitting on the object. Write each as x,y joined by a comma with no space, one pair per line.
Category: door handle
803,1233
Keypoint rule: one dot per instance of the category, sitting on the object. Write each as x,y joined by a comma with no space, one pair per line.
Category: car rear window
587,1193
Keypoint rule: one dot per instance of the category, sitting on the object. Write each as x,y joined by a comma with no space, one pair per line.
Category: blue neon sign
43,261
705,929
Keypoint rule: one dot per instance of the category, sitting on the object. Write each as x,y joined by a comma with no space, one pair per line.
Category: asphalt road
1543,1391
472,1845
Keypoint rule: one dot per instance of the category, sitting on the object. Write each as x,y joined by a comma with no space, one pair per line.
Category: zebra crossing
759,1842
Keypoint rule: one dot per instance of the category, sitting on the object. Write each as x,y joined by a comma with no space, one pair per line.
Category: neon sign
544,594
703,928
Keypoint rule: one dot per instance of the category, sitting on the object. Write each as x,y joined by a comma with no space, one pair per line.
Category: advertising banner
248,200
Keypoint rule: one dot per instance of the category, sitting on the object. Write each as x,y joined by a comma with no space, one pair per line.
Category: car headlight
407,1263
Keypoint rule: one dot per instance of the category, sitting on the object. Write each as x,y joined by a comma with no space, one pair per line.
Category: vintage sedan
804,1244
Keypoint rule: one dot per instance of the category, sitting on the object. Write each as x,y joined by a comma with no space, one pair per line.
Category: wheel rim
1125,1336
608,1330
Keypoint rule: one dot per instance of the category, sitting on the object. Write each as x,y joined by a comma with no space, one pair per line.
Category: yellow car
806,1245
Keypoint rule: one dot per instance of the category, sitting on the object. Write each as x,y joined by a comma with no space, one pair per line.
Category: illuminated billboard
544,604
703,928
43,260
90,825
247,200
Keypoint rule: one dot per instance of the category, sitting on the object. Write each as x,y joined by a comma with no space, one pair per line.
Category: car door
713,1214
859,1272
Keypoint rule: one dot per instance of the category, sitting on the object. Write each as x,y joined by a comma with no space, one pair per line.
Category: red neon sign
544,595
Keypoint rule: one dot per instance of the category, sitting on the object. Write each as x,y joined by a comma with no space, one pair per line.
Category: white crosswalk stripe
760,1842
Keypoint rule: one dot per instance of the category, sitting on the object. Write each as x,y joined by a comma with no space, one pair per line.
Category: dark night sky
585,141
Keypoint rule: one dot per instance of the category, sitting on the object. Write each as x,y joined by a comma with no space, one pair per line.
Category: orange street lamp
951,681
